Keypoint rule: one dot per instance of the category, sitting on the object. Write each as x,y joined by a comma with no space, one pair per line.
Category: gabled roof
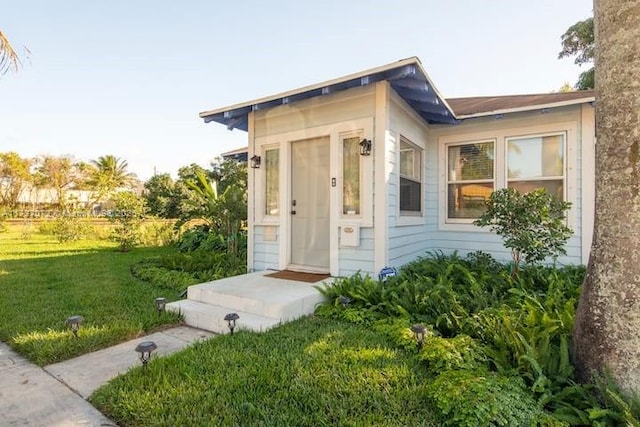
492,105
406,77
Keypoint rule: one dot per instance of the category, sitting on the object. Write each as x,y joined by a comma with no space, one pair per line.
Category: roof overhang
542,107
407,77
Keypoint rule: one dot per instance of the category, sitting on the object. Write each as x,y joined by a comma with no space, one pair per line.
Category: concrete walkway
54,396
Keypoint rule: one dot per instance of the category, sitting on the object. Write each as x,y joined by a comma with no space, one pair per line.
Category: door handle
293,211
293,203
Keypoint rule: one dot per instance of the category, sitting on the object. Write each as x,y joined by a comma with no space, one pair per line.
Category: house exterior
376,168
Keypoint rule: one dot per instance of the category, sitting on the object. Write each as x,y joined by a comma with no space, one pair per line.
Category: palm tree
106,174
9,59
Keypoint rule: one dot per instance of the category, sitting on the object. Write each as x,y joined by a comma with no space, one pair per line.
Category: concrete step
211,317
263,296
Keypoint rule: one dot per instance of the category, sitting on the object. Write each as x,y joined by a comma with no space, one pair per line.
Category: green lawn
311,372
43,282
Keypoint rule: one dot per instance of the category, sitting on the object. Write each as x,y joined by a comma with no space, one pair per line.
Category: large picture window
537,162
410,178
470,178
351,176
272,180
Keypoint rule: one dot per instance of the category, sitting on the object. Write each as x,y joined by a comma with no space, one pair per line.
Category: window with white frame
537,162
470,178
410,178
272,181
351,175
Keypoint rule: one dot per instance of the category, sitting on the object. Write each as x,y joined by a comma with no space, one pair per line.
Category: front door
310,205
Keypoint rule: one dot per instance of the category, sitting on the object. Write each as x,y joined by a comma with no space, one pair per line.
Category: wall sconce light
231,321
344,301
145,349
365,147
255,161
160,304
74,323
418,333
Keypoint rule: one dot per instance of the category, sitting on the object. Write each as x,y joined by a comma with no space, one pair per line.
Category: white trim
492,180
500,136
383,171
260,181
250,202
407,218
528,108
588,138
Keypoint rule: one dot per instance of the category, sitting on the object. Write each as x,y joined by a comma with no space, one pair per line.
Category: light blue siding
358,259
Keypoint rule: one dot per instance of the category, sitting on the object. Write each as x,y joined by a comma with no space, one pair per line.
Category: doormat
298,275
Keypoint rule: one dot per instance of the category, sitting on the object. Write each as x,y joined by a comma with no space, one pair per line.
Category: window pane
410,161
468,200
471,161
536,157
272,188
351,176
410,195
554,187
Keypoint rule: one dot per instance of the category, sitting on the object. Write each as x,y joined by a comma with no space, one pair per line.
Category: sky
129,77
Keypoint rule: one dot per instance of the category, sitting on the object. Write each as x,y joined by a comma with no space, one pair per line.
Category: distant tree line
23,181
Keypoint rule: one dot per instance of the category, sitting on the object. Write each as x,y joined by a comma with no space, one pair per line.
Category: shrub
531,224
127,219
65,229
482,398
157,233
443,354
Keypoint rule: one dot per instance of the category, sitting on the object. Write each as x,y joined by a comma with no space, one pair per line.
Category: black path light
145,349
160,304
74,323
344,301
231,321
418,332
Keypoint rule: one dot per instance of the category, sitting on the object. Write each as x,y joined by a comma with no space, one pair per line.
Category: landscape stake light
145,349
418,332
231,321
74,323
160,304
344,301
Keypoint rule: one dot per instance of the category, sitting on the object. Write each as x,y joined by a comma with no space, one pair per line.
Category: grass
43,282
311,372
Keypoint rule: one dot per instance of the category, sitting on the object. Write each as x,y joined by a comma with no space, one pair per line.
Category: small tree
129,213
531,224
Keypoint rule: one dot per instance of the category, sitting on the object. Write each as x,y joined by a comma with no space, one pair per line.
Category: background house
376,168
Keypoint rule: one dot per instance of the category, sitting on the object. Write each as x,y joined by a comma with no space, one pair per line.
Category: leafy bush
460,352
157,233
482,398
179,271
531,224
127,219
66,229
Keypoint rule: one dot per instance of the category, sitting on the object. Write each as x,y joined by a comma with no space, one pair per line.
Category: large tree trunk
607,327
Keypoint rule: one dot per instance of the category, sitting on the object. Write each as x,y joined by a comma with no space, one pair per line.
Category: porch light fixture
160,304
365,147
74,323
344,301
418,333
255,161
145,349
231,321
